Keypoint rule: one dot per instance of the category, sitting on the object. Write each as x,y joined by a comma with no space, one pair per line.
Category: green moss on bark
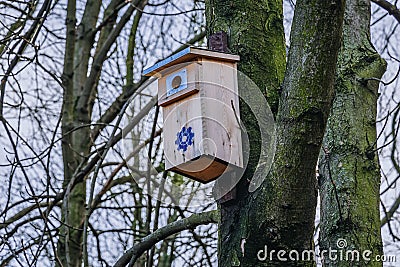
255,30
349,168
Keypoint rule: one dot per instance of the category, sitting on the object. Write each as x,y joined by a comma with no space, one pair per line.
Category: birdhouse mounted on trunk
198,93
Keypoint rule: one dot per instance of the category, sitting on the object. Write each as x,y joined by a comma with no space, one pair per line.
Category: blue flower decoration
184,138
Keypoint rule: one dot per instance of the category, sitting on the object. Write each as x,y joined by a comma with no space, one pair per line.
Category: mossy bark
255,32
349,169
75,126
280,214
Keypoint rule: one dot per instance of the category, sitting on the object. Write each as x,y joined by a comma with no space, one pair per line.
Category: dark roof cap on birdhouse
186,55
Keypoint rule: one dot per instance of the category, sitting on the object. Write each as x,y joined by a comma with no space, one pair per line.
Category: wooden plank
218,94
215,168
183,113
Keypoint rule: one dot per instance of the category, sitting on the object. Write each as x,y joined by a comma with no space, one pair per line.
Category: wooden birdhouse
198,93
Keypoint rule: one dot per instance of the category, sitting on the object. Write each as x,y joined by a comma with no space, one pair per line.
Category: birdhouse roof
186,55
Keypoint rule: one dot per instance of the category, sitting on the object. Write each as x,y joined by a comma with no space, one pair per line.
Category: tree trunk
76,129
349,169
256,33
280,214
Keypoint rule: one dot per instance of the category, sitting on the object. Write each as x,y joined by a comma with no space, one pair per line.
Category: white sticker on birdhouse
176,82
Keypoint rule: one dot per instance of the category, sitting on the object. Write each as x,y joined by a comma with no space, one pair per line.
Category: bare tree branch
28,38
110,114
391,9
146,243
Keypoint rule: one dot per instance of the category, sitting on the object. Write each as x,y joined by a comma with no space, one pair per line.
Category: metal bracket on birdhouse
223,184
218,42
231,195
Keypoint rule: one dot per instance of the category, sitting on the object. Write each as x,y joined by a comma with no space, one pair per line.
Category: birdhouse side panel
182,131
220,108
